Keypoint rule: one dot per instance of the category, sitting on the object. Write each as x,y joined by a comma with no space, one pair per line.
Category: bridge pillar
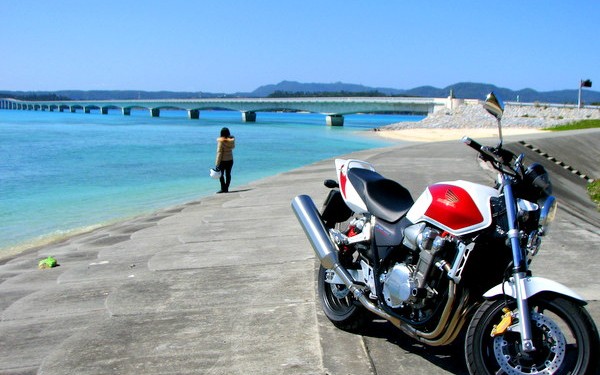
86,110
155,112
126,111
194,114
249,116
335,120
104,110
72,109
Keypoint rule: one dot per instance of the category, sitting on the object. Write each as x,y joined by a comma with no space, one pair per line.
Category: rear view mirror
494,106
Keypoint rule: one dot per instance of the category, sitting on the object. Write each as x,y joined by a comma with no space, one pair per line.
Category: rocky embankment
471,114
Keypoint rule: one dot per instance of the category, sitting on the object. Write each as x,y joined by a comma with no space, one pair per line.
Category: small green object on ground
49,262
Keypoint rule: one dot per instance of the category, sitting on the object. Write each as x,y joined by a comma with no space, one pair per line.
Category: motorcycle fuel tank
458,207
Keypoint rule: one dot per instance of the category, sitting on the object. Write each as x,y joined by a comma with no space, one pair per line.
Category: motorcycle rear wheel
339,305
564,335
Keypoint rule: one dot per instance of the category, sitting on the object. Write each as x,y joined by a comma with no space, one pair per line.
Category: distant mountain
463,90
466,90
292,86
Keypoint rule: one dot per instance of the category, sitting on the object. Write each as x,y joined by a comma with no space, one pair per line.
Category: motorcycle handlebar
498,156
471,143
485,152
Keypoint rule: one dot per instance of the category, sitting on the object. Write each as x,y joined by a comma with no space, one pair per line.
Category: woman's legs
225,178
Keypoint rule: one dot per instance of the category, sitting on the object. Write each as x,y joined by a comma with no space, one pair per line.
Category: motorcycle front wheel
339,305
564,336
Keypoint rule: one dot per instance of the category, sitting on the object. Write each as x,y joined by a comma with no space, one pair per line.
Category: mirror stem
500,133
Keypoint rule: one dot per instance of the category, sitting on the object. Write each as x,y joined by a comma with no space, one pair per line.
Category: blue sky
238,45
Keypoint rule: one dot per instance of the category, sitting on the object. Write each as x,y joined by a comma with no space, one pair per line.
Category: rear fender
335,209
532,286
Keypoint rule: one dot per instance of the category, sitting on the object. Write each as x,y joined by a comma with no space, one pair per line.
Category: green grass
594,191
582,124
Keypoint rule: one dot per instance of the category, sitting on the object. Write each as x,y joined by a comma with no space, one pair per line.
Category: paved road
225,285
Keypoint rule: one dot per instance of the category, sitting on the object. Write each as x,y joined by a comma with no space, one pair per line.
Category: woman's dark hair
225,133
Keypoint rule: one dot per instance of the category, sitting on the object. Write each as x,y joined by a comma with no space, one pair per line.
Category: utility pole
582,83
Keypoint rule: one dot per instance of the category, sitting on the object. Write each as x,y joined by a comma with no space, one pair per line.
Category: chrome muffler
310,220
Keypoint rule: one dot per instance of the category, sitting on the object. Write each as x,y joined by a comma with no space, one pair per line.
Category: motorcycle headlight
547,214
537,176
535,184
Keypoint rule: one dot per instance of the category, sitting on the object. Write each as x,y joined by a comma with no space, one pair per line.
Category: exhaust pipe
326,251
313,226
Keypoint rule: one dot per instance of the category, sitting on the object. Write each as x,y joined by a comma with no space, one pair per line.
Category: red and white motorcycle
455,259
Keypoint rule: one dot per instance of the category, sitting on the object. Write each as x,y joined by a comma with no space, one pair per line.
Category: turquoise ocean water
61,173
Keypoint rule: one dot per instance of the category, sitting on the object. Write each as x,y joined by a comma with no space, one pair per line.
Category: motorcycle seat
384,198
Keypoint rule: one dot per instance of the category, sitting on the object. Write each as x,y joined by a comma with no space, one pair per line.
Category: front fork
520,267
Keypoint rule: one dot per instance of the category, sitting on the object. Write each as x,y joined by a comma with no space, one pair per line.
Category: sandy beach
449,134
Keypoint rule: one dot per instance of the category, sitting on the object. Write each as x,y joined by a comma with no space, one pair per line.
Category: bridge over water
333,108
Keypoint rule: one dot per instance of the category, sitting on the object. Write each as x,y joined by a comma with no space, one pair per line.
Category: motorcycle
454,264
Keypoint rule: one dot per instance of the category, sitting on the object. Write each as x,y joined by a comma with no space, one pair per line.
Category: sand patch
438,135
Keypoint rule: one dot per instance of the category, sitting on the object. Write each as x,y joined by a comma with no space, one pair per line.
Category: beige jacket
225,148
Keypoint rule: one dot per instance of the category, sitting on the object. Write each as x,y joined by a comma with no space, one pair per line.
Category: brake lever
489,153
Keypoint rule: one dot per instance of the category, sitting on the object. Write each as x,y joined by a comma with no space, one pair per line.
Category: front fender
532,286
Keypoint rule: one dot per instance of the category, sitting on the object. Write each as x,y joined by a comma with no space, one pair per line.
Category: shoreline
466,120
10,252
412,135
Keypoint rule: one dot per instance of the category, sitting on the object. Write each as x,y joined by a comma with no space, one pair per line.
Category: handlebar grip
471,143
486,153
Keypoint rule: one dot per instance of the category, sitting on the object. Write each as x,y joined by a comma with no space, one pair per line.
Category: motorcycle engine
398,285
406,283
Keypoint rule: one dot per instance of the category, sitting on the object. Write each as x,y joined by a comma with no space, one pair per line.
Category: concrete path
225,285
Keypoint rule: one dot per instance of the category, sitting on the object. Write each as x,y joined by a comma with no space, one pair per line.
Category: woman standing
224,162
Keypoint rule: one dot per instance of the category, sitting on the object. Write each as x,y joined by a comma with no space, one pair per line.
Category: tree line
327,94
35,97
